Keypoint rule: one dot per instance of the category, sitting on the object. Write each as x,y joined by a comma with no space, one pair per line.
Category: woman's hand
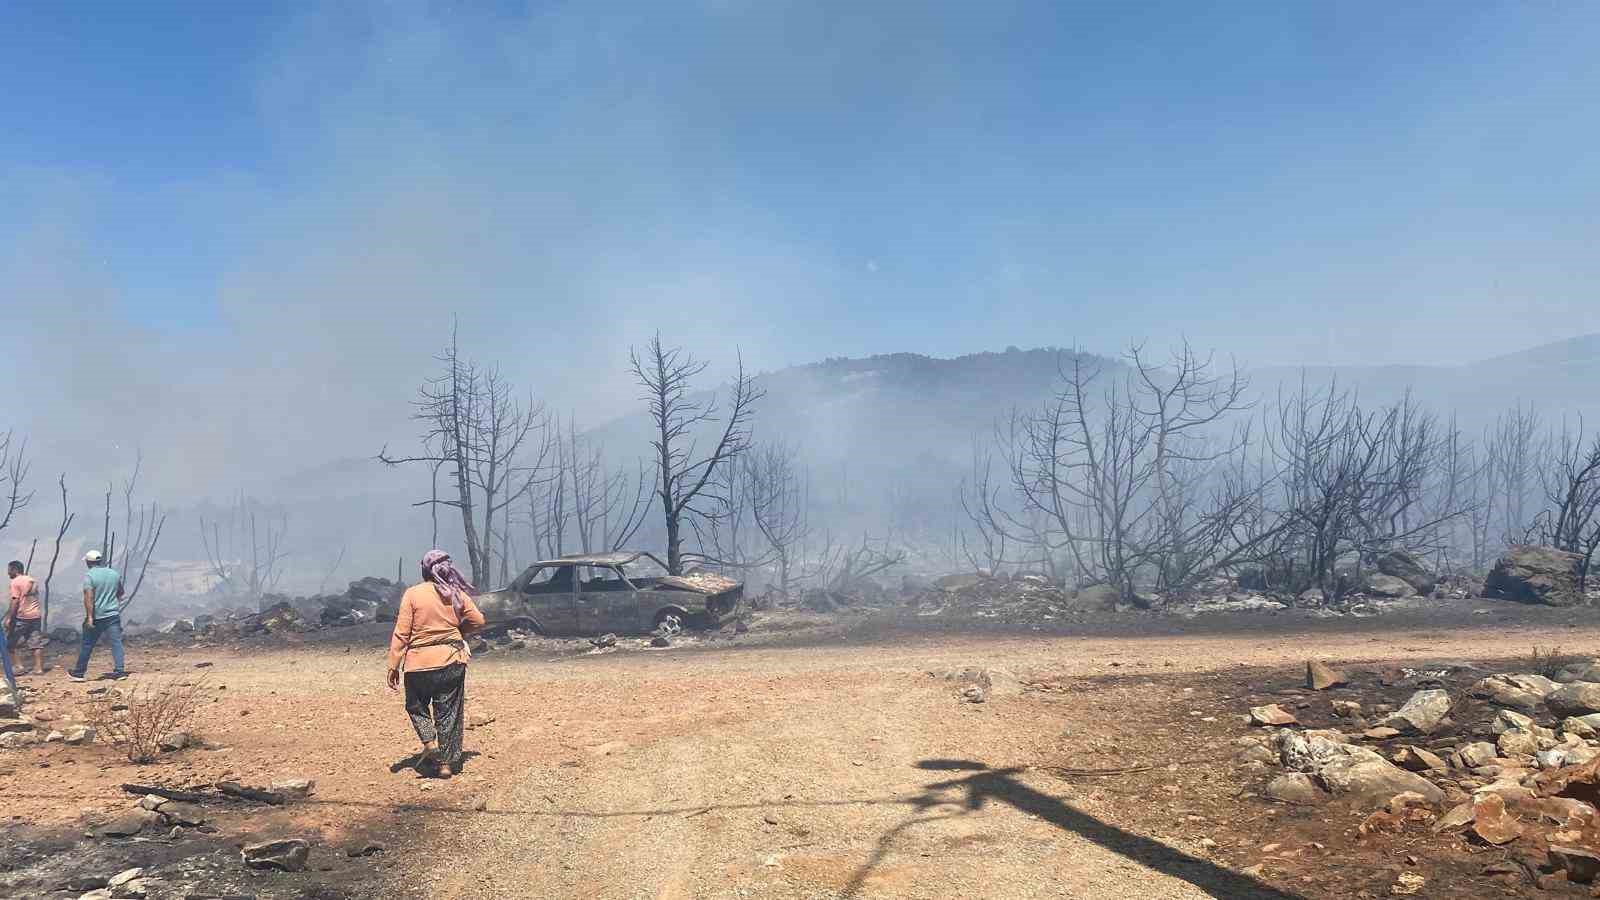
394,679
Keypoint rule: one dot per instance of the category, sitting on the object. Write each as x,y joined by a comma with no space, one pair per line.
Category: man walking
22,620
102,615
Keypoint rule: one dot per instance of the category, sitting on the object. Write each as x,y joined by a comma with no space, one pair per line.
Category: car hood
706,583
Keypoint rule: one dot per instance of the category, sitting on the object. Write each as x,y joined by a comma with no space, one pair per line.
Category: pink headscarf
447,580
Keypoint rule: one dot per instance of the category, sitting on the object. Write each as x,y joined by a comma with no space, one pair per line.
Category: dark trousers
434,700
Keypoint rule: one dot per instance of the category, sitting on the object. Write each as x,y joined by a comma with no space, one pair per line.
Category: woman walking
430,646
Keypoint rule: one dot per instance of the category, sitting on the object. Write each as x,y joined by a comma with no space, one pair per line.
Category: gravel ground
812,767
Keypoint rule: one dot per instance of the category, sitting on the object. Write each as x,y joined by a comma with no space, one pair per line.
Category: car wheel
669,623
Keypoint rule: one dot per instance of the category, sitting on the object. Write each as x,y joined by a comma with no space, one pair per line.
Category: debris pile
1508,761
1021,599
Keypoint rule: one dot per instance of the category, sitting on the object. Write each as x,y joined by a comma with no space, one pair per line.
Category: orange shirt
24,597
427,632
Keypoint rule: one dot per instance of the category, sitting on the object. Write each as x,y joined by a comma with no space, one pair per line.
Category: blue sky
278,207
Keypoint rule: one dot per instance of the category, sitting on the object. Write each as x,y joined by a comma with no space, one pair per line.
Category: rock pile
1508,760
366,600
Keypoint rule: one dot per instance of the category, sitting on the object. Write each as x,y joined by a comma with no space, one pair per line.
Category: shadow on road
985,785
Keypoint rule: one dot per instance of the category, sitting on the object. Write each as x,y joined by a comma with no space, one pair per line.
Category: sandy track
825,771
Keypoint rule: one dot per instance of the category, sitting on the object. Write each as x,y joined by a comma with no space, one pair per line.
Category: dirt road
837,770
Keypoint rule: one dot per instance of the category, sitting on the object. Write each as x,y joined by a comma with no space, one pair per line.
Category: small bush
1549,662
136,723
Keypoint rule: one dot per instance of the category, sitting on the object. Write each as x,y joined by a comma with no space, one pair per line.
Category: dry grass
1549,662
135,723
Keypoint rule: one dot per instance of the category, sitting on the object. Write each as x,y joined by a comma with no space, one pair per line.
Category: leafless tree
55,556
332,569
779,506
141,532
244,548
1513,447
493,446
1571,479
1352,483
14,467
580,496
1123,475
1455,485
840,565
683,474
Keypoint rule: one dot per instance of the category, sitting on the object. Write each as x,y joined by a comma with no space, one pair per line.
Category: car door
602,600
552,595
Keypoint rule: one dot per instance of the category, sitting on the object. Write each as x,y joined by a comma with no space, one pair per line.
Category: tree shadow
986,784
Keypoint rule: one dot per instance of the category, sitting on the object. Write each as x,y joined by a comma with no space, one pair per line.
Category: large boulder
1579,698
1373,777
1389,586
1408,568
1350,769
1529,574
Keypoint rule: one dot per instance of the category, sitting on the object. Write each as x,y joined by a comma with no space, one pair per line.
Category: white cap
92,556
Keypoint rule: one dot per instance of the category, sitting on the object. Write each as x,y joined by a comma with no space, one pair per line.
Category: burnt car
624,592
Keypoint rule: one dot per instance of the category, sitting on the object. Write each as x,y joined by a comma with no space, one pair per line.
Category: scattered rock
1491,822
1373,776
973,694
1417,759
1294,787
175,741
1582,726
1346,709
1579,698
1407,883
1459,816
1381,733
1422,713
294,787
1271,714
1477,754
661,640
1518,742
187,815
125,825
1580,865
1320,676
1505,720
287,854
1522,691
604,641
78,734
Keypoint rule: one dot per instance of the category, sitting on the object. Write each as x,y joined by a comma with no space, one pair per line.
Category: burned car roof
614,558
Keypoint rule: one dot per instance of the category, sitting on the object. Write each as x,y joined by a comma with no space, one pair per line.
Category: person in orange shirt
429,646
23,629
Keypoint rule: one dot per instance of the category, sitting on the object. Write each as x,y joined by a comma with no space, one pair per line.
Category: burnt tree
684,476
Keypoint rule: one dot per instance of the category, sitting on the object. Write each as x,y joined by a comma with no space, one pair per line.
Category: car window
645,567
602,576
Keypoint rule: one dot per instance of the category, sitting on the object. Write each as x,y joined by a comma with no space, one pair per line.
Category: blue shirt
103,581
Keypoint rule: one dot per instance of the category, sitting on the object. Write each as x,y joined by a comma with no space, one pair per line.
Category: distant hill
886,440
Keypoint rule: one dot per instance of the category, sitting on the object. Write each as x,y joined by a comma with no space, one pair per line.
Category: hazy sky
233,232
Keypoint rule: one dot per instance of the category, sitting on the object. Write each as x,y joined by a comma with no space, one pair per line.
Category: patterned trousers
434,700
